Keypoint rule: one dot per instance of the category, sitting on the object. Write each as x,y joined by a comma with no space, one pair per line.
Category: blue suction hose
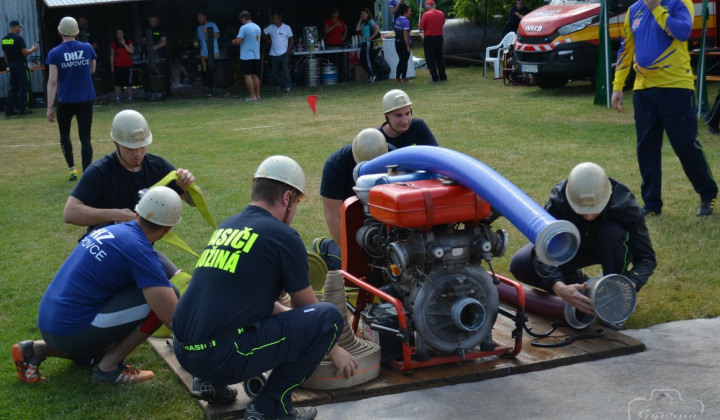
556,241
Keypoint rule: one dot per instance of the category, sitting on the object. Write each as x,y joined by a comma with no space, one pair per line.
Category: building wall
25,12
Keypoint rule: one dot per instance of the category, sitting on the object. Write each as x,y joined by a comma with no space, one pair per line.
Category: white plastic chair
500,49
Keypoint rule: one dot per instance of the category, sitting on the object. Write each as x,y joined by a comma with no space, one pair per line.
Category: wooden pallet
390,381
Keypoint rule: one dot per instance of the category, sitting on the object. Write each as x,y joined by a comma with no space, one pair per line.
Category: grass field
532,137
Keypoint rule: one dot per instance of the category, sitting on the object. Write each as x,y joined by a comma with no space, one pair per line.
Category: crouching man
108,297
228,327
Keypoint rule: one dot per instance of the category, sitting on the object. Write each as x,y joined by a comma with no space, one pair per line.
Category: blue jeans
280,66
673,111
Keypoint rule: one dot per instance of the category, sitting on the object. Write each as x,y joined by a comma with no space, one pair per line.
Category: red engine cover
425,203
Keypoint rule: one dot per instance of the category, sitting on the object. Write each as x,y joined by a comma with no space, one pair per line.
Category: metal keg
329,74
312,72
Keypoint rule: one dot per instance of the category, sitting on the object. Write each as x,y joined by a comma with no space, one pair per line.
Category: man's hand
185,178
616,100
50,115
124,215
652,4
343,361
572,294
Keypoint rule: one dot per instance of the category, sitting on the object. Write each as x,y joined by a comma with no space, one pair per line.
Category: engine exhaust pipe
556,241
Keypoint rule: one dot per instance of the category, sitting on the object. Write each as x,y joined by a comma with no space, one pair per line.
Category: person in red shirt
335,29
121,64
431,23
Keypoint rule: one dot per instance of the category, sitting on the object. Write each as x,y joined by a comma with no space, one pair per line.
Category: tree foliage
474,10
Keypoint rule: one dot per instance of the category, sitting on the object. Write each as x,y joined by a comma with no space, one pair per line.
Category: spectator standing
654,43
517,12
368,30
121,65
108,297
403,42
393,6
70,68
432,22
159,44
248,39
335,29
85,34
280,37
228,326
202,39
16,52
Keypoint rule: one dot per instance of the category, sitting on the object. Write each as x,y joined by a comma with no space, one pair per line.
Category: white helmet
395,99
130,129
283,169
368,144
160,205
588,188
68,26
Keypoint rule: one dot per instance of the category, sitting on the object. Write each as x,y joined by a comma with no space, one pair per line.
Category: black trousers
83,111
19,94
366,58
433,45
403,57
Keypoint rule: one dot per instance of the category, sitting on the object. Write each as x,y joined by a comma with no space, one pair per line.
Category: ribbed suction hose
556,241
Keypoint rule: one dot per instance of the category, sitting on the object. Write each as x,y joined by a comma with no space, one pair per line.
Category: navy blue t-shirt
250,259
418,134
106,184
103,264
12,46
337,177
74,65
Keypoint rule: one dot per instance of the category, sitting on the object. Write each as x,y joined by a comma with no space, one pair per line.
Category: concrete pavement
678,377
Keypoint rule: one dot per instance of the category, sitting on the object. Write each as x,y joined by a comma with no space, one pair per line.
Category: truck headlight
575,26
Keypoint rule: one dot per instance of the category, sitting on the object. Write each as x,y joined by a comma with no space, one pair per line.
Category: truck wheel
550,82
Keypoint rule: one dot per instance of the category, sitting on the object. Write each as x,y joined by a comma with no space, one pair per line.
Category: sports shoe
651,213
298,413
706,207
26,362
118,100
714,130
217,395
73,174
287,90
124,374
28,112
131,100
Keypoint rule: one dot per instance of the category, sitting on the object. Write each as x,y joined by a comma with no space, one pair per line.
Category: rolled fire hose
556,241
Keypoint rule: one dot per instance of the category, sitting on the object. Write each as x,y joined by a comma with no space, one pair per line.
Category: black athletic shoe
213,394
651,213
300,413
706,207
714,130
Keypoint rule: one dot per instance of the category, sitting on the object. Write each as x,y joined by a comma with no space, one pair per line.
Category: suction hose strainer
613,296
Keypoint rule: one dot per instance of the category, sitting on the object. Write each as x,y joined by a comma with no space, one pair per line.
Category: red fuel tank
426,203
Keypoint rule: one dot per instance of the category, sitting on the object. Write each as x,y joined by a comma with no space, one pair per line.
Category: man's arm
52,91
331,208
162,301
343,361
161,44
27,52
625,57
93,66
291,44
79,214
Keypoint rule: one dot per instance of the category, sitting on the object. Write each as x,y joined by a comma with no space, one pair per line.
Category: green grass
532,137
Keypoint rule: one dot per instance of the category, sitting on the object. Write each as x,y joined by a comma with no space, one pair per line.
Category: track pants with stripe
291,343
124,312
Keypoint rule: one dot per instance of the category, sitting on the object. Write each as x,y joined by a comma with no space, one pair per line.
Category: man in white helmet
228,326
108,190
71,66
613,234
108,297
337,184
400,128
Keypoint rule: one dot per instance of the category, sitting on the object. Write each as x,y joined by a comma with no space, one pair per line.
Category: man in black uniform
85,34
613,230
228,326
337,184
15,50
400,128
159,49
